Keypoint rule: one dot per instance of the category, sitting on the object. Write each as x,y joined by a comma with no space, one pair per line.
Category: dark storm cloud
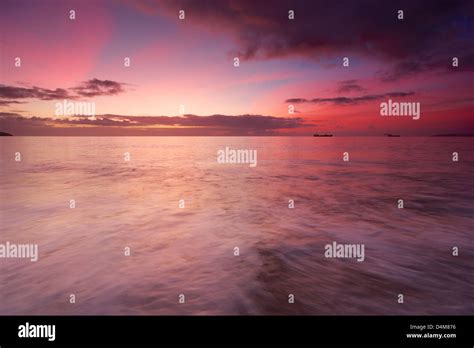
428,36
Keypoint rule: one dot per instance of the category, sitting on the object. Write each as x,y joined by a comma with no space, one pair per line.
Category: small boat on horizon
322,135
392,135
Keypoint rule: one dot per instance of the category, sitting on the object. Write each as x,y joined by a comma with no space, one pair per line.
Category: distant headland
3,134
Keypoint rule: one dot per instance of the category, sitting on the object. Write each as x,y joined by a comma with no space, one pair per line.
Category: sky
182,78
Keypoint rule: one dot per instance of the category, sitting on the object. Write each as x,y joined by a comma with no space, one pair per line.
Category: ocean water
190,251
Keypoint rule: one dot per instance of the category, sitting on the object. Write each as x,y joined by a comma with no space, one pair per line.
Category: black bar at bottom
223,330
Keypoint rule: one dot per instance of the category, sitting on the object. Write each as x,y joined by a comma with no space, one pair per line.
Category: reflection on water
191,250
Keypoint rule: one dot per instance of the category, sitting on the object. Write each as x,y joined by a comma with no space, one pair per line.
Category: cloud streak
349,86
151,125
9,102
96,87
12,92
350,100
88,89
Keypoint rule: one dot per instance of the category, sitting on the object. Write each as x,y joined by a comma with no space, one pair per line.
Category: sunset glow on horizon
186,66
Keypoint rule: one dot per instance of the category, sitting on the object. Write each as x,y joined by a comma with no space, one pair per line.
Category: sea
158,226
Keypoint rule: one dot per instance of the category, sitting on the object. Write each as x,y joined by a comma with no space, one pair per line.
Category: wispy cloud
12,92
88,89
9,102
427,64
96,87
349,86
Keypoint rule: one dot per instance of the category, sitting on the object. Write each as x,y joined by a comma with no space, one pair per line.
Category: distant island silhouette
3,134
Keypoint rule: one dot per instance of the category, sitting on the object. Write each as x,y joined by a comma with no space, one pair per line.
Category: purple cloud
349,86
350,100
144,125
430,33
96,87
90,88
